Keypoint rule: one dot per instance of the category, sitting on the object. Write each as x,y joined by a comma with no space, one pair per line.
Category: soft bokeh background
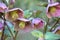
32,5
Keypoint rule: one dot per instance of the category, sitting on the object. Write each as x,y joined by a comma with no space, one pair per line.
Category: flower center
14,14
52,10
22,25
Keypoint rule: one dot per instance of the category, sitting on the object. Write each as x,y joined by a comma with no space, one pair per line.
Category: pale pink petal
37,23
3,7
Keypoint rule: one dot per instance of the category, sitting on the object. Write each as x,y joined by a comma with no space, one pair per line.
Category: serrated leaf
27,14
37,33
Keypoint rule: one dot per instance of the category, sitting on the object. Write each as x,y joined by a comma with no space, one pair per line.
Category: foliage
38,17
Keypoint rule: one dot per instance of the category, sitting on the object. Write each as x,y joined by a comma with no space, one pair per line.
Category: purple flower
37,23
23,24
13,14
53,10
3,7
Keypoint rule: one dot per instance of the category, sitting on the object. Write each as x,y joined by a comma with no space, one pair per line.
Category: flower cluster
15,19
16,16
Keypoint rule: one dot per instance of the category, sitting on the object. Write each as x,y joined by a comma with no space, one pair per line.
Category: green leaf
37,33
48,36
27,14
51,36
37,14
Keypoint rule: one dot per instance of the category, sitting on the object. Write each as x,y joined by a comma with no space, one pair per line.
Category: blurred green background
32,5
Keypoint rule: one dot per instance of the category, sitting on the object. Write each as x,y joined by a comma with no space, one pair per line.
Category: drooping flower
53,10
37,23
3,7
13,14
23,24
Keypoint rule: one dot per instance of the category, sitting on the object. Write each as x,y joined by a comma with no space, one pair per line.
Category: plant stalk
45,29
54,24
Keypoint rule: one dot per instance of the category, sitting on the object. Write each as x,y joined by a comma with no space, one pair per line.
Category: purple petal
56,14
23,19
37,22
3,7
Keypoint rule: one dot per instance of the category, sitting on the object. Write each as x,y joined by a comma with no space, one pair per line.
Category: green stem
54,24
45,29
15,35
2,37
10,31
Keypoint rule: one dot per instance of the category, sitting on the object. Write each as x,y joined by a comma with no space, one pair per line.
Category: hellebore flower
3,7
53,10
23,24
37,23
13,14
